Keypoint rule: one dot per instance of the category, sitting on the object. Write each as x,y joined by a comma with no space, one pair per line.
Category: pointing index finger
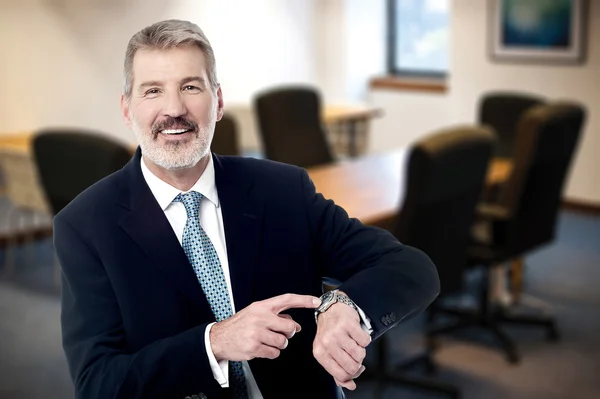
288,301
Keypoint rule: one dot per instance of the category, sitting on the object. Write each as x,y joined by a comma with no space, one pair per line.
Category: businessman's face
173,108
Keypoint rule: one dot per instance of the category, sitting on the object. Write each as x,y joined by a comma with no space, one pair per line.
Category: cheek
202,108
146,113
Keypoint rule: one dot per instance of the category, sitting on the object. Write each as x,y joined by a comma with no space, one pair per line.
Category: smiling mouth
175,132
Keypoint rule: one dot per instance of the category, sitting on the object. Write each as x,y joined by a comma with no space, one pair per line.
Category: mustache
174,123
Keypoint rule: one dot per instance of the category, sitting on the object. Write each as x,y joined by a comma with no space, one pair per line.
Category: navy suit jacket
134,314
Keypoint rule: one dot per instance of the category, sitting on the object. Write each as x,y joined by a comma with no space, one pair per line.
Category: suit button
393,317
384,320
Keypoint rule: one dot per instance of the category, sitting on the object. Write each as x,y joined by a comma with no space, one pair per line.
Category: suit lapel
148,226
242,218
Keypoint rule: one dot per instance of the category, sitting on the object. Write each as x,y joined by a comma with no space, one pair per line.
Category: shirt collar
165,193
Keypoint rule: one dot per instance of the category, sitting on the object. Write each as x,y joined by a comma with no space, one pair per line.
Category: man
191,275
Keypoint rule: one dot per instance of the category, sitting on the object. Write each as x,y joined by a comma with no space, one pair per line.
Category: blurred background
468,128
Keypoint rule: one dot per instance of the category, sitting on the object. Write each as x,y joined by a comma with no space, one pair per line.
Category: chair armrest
489,211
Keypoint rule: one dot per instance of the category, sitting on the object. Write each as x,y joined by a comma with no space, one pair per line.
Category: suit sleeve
389,281
95,343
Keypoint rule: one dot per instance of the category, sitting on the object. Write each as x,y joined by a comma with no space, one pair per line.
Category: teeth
174,131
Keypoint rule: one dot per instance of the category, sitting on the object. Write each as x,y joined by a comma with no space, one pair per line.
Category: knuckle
341,375
358,353
366,338
318,351
362,353
290,324
279,340
273,353
254,346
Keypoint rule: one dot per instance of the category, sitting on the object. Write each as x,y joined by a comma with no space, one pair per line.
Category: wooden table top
349,113
16,141
371,188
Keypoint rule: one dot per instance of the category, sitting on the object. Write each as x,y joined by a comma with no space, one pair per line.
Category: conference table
349,117
16,141
371,188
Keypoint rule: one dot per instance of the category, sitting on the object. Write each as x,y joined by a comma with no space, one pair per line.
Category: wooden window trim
409,84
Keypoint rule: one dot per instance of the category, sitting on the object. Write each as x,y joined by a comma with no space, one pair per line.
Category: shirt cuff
219,369
365,322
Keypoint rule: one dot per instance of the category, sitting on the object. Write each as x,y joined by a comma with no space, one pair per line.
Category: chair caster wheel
513,357
430,367
432,343
552,335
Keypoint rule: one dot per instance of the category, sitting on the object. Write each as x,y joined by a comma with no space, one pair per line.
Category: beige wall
62,59
409,115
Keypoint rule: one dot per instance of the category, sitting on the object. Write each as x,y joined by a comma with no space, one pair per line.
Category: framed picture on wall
540,31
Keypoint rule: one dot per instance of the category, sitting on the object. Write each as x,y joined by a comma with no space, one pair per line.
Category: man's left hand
340,344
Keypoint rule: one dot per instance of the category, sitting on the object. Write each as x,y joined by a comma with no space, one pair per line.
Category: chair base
492,324
383,378
546,321
416,382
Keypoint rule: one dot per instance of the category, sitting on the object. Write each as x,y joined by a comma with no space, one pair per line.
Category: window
418,32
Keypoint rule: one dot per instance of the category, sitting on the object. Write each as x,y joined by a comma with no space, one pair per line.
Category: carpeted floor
566,275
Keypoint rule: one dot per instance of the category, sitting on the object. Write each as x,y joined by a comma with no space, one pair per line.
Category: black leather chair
71,160
289,120
501,111
226,138
445,178
524,217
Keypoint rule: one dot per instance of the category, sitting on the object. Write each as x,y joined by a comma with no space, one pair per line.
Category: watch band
332,297
345,299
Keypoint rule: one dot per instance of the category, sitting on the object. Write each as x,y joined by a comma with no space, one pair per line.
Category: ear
219,103
125,111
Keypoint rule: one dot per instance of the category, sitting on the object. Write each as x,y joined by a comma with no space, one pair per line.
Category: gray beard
174,156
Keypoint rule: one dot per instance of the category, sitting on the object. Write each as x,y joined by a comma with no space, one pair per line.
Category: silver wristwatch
331,297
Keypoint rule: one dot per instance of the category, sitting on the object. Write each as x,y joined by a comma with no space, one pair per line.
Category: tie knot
191,201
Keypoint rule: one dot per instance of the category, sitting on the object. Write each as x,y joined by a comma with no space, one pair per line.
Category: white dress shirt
211,220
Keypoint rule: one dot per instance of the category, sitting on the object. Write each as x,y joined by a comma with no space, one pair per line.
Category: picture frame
538,31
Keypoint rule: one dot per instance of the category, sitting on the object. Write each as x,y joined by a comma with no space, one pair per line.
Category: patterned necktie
205,261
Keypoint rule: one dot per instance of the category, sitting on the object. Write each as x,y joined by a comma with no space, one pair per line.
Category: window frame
391,51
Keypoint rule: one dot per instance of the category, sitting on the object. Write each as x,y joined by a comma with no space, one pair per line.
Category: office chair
70,160
289,120
501,111
445,178
226,138
524,217
21,183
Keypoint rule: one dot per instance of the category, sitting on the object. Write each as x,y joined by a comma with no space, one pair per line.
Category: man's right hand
259,330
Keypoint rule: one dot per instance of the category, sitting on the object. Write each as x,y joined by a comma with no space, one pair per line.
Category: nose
175,106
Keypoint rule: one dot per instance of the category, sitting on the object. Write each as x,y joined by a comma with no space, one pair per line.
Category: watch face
326,300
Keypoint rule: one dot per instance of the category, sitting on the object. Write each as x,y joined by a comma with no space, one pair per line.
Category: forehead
168,65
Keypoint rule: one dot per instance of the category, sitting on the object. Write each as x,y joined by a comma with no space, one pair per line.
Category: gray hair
166,35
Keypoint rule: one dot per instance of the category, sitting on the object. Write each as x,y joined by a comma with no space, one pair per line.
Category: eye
151,92
191,88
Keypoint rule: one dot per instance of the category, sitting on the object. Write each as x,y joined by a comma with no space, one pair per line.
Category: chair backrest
226,139
289,120
69,161
21,181
547,139
501,111
446,174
